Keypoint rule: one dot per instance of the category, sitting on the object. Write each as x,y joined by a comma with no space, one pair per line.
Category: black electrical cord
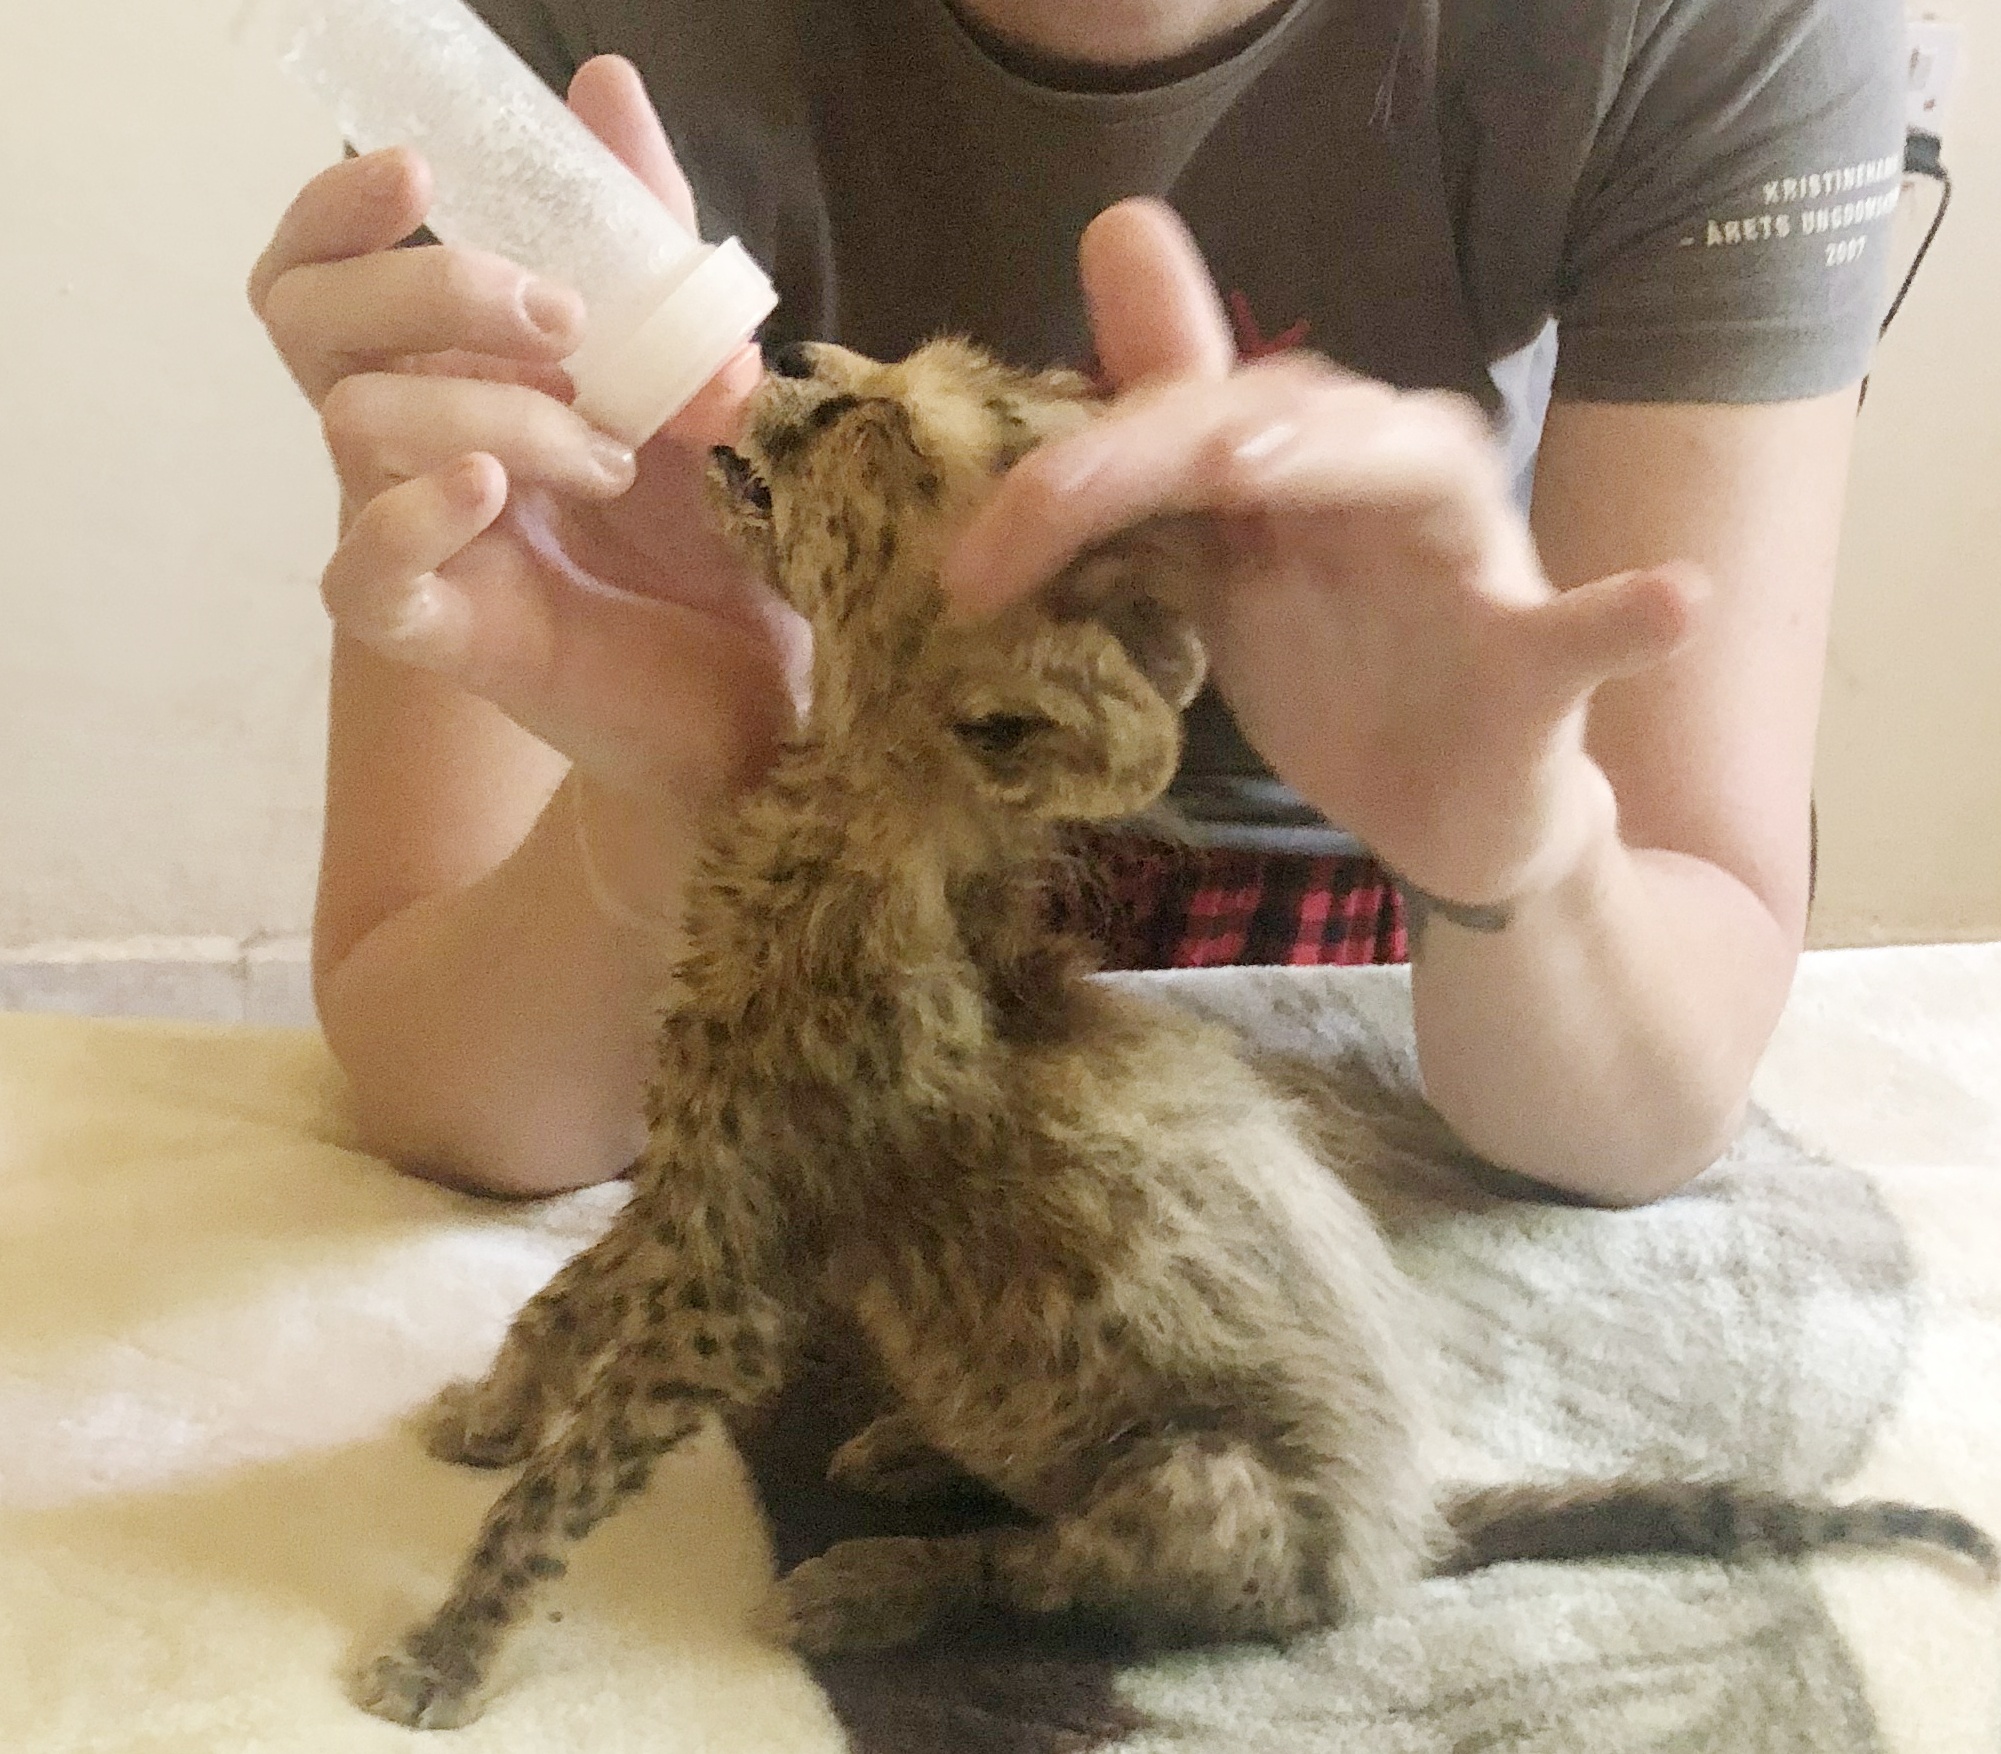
1921,159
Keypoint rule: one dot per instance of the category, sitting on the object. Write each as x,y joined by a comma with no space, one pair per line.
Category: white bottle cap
635,386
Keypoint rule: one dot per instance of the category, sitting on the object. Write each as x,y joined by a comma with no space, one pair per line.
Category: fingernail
554,310
613,460
430,626
1266,442
408,617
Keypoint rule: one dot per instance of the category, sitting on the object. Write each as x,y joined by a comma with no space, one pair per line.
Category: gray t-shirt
1675,200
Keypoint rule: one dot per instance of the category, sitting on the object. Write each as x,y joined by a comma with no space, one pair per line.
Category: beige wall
163,509
1910,744
162,650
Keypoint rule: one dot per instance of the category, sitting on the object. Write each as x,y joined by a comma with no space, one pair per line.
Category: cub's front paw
464,1425
416,1690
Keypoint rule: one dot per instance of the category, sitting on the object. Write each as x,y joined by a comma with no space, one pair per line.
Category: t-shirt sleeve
1730,235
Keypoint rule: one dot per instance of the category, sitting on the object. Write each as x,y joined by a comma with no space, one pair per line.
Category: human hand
488,534
1384,631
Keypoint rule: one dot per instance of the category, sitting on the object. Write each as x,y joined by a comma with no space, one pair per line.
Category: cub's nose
790,359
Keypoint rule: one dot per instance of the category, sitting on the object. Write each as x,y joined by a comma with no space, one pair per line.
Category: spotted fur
1109,1267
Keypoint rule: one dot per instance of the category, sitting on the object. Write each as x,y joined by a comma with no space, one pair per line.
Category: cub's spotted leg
502,1417
1196,1537
664,1380
430,1681
1190,1538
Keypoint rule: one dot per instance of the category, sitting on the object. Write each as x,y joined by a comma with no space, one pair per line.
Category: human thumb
1617,626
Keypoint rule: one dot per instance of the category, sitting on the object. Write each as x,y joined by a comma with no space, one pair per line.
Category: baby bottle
516,173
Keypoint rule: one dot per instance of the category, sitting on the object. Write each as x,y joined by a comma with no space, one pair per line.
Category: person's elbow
1667,1164
1617,1155
461,1151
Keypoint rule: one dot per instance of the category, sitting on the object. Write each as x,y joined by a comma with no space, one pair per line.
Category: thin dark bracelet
1421,904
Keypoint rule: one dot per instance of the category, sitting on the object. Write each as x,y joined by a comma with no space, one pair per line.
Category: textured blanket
216,1316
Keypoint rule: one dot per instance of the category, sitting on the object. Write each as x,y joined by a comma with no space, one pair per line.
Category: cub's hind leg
1186,1538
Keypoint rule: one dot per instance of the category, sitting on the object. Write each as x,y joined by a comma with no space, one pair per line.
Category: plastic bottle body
516,173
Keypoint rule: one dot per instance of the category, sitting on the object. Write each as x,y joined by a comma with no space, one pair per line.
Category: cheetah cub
1108,1269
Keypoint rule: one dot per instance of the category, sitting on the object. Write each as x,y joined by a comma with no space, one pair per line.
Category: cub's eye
998,733
743,482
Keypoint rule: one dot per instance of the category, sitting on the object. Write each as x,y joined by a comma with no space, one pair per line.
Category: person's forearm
1603,1039
497,1037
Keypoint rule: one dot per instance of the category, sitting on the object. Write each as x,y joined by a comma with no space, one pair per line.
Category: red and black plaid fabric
1148,903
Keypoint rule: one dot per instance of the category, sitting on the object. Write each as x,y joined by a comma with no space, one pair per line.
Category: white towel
216,1313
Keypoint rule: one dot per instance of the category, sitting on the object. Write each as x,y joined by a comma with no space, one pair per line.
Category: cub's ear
1060,723
1162,645
1147,585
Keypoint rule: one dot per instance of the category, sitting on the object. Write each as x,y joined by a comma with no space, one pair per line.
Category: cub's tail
1715,1520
